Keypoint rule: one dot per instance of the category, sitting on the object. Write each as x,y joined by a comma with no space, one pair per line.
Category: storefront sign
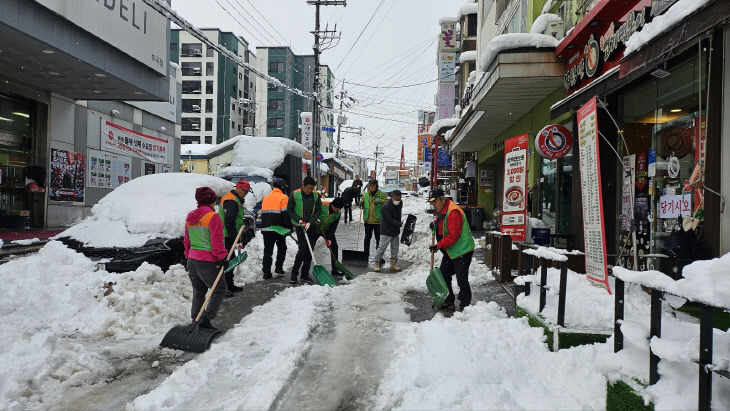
599,50
590,182
68,174
673,206
424,141
448,41
553,141
306,118
700,151
447,64
107,170
447,93
514,199
118,138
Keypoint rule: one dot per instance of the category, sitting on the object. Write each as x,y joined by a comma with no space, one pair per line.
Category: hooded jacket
218,249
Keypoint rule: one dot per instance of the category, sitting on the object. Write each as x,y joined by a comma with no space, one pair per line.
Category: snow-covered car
141,221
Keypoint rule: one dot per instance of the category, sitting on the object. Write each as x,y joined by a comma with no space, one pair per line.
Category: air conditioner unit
196,108
196,71
198,53
195,127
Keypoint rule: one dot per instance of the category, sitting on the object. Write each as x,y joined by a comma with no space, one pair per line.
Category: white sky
397,48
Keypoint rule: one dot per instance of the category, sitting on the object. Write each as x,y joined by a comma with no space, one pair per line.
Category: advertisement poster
149,168
590,182
107,170
627,192
68,173
119,138
424,141
514,199
306,129
446,100
486,180
447,65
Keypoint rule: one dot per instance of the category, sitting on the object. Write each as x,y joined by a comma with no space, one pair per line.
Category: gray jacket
390,222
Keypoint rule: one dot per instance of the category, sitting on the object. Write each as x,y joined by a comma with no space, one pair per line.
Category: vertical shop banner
68,174
448,41
306,118
627,192
424,140
514,199
107,170
590,183
447,94
447,65
700,152
118,138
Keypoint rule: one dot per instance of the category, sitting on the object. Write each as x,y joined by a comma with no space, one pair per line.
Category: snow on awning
331,156
514,41
438,127
465,56
470,7
542,21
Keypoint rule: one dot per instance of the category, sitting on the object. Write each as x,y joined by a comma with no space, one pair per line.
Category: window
188,140
233,106
209,51
209,69
208,124
192,50
239,111
272,87
173,47
239,127
209,87
276,104
239,93
190,124
276,67
275,123
191,69
190,105
471,25
233,124
240,76
190,87
208,139
209,105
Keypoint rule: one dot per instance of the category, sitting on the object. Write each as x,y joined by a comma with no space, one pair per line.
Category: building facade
81,110
219,96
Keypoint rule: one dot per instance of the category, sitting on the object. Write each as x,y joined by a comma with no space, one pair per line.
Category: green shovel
320,273
435,282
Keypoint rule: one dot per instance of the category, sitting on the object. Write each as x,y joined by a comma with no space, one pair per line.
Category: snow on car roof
265,152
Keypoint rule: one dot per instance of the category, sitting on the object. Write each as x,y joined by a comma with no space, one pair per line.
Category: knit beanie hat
205,195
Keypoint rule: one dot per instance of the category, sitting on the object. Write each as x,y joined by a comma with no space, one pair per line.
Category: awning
520,79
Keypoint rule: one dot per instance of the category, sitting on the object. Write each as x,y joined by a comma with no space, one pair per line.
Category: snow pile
65,322
206,149
465,56
249,365
345,184
439,364
548,253
437,127
675,14
543,21
144,208
27,242
448,19
510,41
331,156
470,7
548,5
249,171
264,152
704,281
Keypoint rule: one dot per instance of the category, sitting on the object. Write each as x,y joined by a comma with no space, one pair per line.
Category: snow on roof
542,21
206,149
444,20
514,41
331,156
439,124
470,7
265,152
662,23
704,281
322,166
465,56
144,208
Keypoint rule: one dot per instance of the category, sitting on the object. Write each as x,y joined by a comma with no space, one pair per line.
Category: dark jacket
357,187
347,195
310,208
390,218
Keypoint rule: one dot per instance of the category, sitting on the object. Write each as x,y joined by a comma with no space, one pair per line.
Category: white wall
725,146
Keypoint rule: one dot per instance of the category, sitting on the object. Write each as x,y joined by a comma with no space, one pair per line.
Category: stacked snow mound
511,41
542,21
264,152
145,208
436,127
470,7
64,322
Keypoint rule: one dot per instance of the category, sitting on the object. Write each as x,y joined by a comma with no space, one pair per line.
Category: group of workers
211,234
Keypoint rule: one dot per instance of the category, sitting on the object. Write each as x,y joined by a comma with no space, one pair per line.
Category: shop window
664,139
555,193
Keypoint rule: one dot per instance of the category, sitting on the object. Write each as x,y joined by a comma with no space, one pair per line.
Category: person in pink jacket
206,254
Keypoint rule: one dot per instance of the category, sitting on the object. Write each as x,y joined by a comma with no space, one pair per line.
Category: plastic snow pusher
435,282
282,231
320,273
193,337
339,265
355,257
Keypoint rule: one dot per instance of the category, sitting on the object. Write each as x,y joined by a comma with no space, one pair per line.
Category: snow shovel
320,273
354,257
280,230
339,265
193,337
435,283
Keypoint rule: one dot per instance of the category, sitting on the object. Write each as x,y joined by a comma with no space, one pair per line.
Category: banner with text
119,138
590,183
306,118
514,199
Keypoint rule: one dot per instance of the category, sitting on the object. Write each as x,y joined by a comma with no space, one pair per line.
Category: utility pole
327,35
339,125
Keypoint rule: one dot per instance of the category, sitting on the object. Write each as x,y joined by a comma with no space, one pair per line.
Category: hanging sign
553,141
118,138
306,118
514,199
590,182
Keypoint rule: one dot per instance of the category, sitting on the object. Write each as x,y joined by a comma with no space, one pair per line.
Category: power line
390,87
268,22
360,35
374,32
251,32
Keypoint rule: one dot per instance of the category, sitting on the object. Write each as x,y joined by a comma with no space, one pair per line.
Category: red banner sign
553,141
514,199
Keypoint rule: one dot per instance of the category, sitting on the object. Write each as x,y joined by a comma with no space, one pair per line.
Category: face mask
396,202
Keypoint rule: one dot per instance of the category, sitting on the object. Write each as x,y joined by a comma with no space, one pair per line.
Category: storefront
659,120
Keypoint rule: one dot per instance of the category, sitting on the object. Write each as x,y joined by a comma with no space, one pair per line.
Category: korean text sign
121,139
590,183
514,199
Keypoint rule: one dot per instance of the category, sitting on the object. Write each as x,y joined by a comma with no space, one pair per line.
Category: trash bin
476,217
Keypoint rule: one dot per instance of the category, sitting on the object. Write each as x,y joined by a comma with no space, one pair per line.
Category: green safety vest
239,217
299,205
199,233
326,219
379,196
465,243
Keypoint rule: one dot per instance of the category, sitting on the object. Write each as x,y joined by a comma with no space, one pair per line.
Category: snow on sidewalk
248,366
482,359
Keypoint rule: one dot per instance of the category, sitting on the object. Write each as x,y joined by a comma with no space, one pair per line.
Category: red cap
244,185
